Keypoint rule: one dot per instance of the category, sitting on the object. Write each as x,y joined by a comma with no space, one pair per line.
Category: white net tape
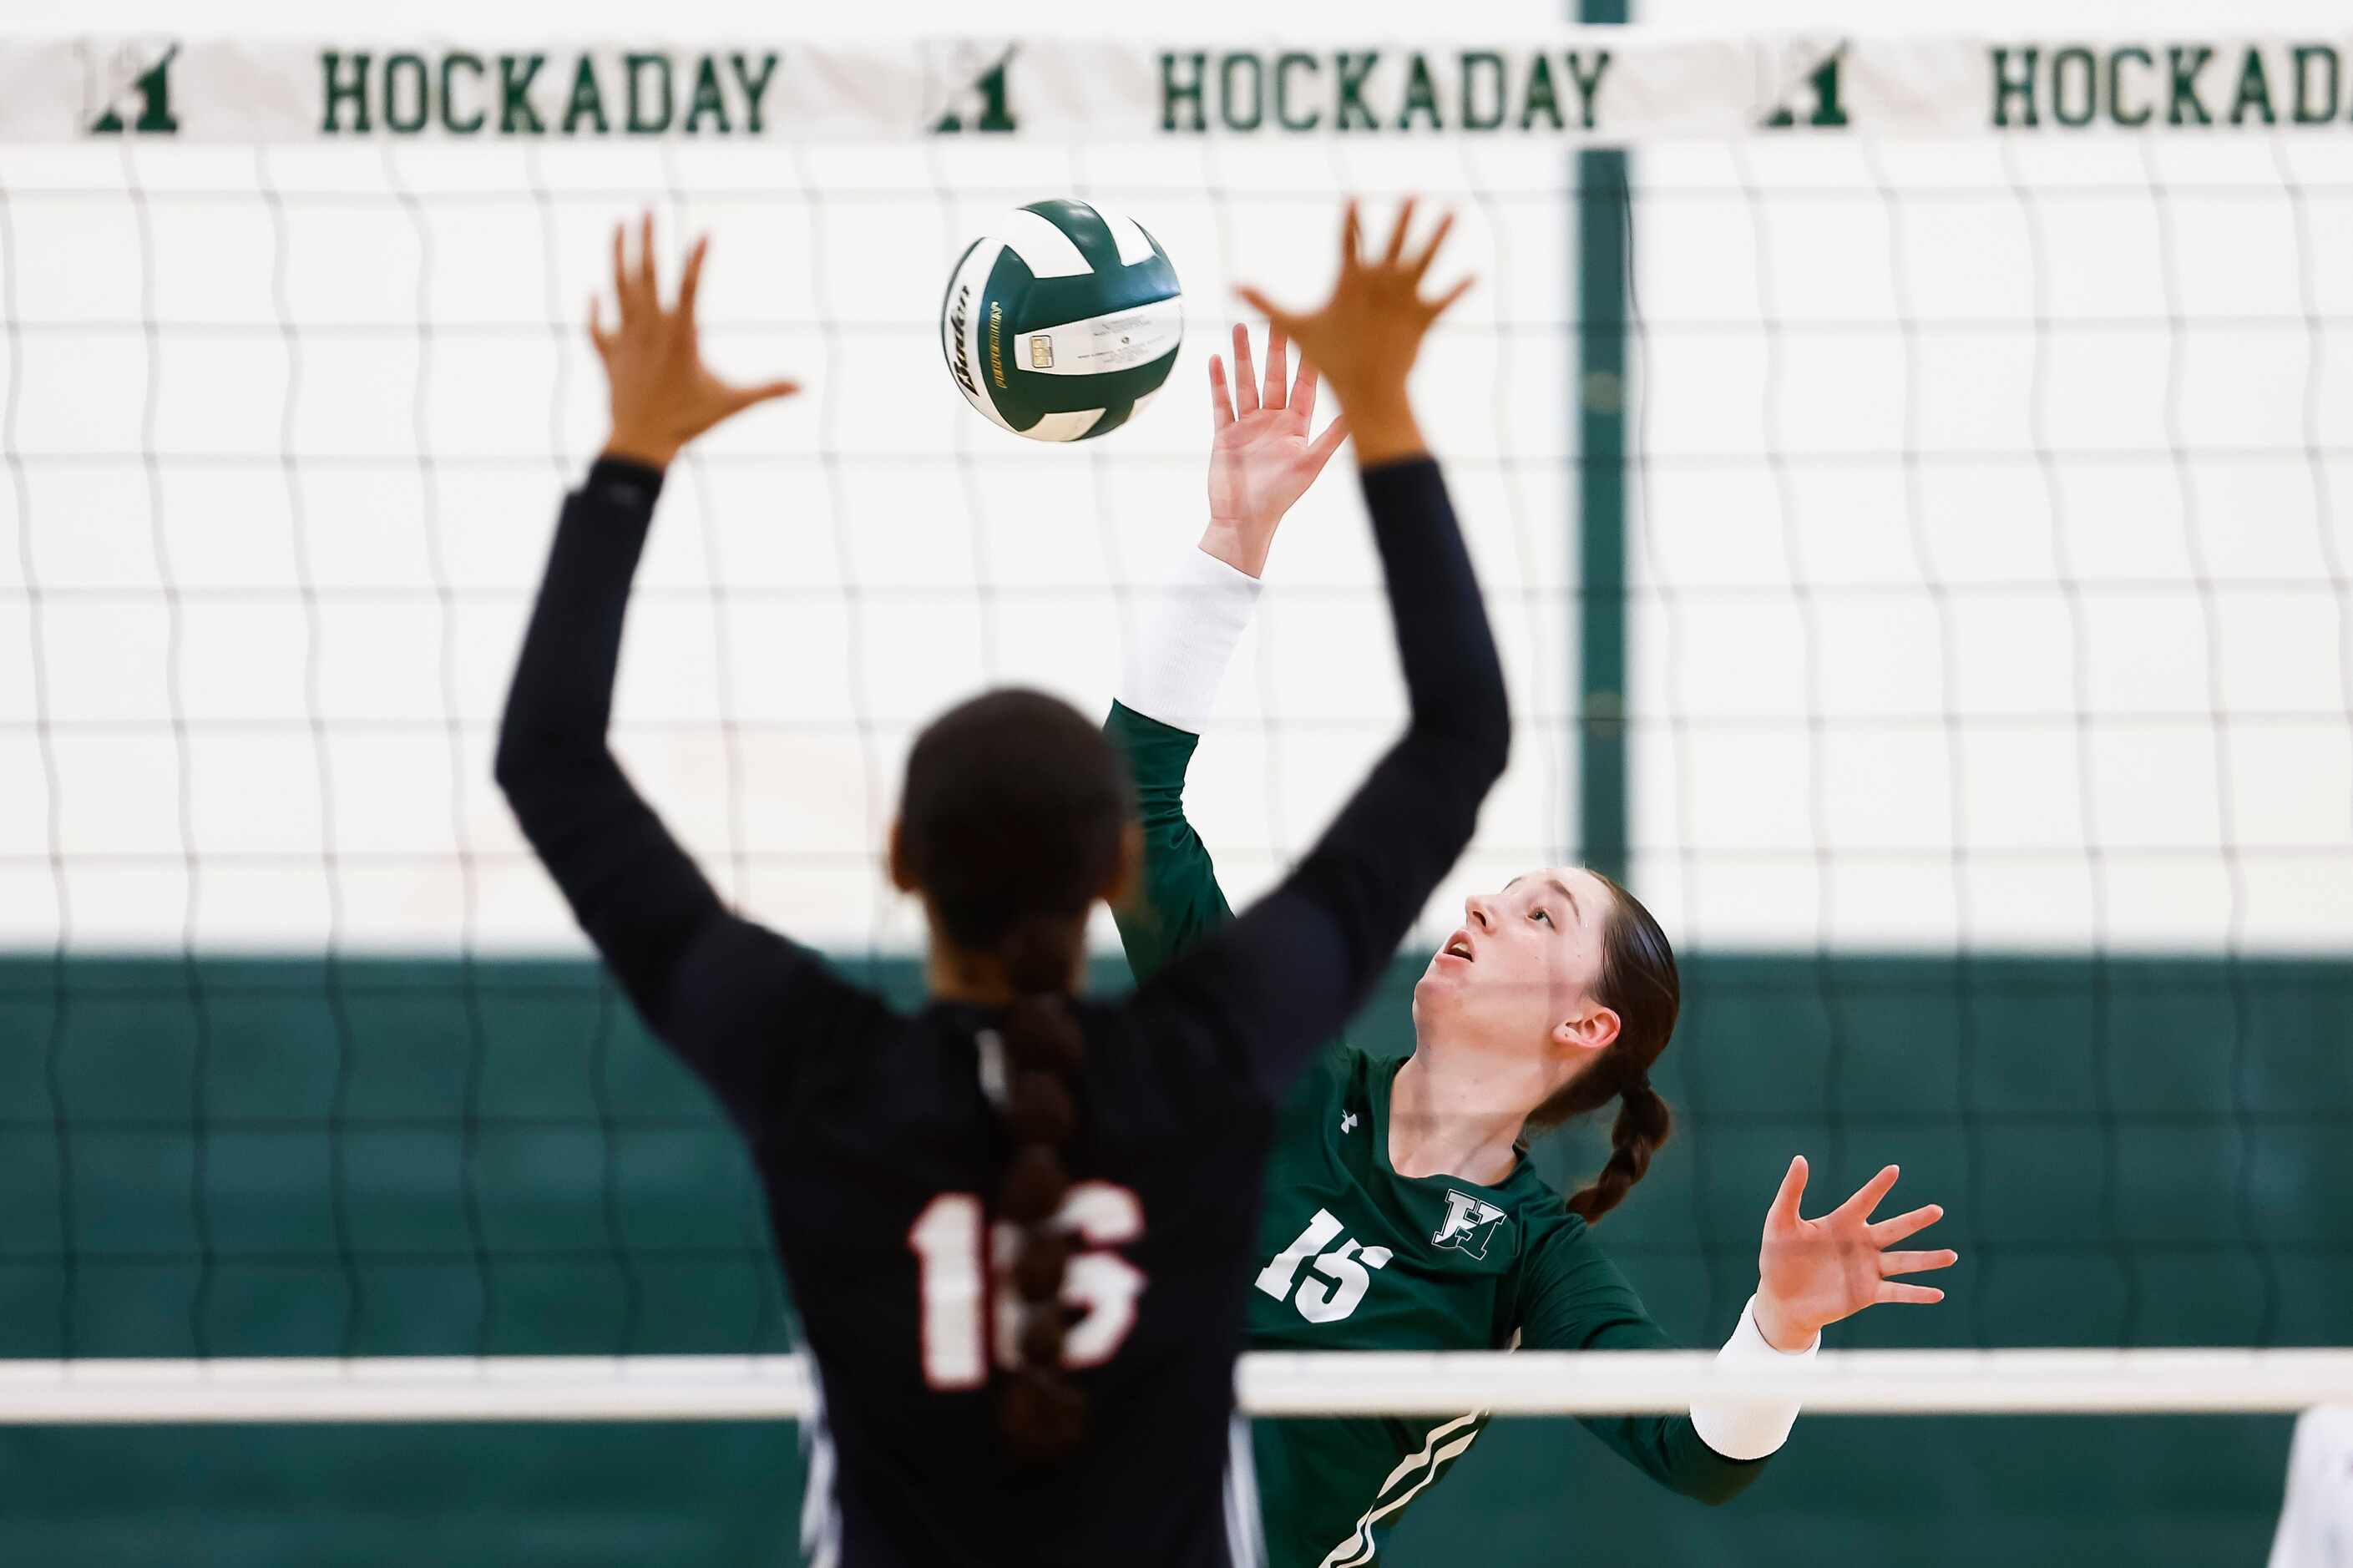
1528,1382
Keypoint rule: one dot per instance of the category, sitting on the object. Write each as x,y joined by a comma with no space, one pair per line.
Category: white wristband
1179,654
1749,1431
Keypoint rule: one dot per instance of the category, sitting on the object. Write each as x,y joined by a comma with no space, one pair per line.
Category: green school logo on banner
146,107
982,106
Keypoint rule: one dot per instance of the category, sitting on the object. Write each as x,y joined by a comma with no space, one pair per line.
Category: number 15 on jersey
1345,1270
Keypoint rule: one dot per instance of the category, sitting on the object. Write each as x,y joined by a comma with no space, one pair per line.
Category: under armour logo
1347,1122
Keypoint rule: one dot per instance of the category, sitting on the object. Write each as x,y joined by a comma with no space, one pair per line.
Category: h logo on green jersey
1469,1223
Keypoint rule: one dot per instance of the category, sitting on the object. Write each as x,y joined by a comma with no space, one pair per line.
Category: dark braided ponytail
1640,984
1011,826
1043,1412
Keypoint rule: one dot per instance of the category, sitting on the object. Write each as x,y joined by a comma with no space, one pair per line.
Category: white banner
1607,85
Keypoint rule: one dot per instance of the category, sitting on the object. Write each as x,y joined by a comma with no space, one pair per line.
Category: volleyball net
279,1390
1906,477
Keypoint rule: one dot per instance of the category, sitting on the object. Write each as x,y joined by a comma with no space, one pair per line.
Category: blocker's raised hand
1366,335
663,396
1813,1272
1262,456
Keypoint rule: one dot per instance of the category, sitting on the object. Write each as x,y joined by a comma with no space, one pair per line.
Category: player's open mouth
1459,946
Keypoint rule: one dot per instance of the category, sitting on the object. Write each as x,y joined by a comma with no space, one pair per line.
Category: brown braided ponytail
1639,983
1011,825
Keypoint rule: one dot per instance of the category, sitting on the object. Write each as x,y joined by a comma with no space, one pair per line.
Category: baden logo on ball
1062,321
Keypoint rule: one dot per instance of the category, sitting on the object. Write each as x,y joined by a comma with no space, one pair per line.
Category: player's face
1524,961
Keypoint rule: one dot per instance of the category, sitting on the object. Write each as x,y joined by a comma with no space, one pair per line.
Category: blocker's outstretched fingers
621,271
691,283
1265,307
739,398
1221,405
1245,374
1278,368
1420,263
1396,252
1891,1291
662,394
649,275
1438,306
1352,238
603,344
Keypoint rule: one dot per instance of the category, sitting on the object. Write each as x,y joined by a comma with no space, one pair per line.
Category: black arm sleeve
705,980
1277,983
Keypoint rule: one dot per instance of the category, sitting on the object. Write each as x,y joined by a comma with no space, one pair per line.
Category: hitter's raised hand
663,396
1365,337
1263,450
1813,1272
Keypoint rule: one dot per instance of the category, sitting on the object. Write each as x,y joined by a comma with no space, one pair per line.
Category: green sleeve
1574,1299
1178,901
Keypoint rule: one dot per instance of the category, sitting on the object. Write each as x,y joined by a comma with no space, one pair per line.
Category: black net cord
564,331
2240,1046
1553,805
461,783
59,1123
719,602
816,201
2331,553
947,197
1697,1110
189,855
2048,464
354,1314
1940,598
1802,599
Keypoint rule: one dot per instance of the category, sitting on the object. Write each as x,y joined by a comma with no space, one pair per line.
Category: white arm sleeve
1749,1431
1187,639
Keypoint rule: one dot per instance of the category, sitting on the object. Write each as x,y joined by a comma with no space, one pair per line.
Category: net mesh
1988,710
285,428
1989,630
317,397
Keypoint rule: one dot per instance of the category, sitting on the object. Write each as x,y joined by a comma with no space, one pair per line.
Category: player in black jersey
1019,1225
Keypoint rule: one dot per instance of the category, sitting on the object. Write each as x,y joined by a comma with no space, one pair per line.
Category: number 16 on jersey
1100,1285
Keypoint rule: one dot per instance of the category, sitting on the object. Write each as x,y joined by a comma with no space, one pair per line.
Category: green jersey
1360,1257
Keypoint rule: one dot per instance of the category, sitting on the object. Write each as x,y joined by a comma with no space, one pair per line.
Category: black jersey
875,1139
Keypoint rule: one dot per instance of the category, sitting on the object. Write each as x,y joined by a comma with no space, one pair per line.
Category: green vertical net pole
1601,214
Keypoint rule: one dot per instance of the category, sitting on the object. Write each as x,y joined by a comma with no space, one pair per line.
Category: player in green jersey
1400,1210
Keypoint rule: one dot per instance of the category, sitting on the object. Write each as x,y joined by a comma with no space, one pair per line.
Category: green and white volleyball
1062,321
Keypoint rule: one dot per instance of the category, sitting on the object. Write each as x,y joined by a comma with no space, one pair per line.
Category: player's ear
901,878
1592,1031
1127,879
